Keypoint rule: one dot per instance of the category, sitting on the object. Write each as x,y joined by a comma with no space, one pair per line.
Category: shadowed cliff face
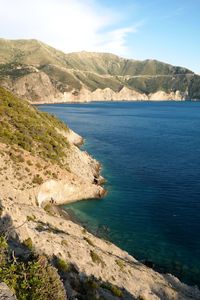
40,73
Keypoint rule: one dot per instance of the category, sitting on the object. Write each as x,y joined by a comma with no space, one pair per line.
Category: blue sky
140,29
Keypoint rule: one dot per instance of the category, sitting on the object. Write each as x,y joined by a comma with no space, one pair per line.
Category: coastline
69,215
38,103
47,231
52,235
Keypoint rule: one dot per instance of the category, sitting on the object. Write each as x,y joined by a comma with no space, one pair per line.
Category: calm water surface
151,159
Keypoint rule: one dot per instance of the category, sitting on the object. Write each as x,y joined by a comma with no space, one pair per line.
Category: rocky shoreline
107,94
47,229
30,183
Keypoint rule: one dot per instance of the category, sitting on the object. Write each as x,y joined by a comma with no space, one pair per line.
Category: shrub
64,243
91,283
62,265
89,241
28,243
23,125
49,209
55,176
34,279
31,218
120,263
96,258
29,163
38,165
113,289
37,179
84,231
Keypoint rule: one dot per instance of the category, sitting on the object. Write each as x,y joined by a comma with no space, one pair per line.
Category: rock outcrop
53,235
6,293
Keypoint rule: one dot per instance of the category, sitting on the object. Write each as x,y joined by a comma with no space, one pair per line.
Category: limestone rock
6,293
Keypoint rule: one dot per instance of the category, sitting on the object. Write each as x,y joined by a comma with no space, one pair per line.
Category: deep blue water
150,154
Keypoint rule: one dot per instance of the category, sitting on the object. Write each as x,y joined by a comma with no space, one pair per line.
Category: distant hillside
38,72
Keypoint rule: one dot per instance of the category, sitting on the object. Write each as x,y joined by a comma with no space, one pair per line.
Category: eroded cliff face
32,87
38,88
124,94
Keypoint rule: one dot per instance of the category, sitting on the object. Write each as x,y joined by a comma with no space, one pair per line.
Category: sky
166,30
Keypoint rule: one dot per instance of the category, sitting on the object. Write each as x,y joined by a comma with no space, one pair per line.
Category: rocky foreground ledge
50,234
32,178
26,207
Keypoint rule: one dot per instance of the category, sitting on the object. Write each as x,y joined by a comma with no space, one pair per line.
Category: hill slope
40,73
39,164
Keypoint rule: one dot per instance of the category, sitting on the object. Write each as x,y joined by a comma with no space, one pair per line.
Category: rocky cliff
40,73
40,166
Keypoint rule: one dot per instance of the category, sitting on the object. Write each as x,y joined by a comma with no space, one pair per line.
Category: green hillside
68,72
34,131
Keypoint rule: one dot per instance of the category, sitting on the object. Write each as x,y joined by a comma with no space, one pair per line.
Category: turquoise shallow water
151,159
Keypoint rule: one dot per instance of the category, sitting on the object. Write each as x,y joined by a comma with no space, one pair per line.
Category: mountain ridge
27,67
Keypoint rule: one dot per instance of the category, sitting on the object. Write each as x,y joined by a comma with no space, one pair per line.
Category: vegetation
62,265
69,72
114,289
64,243
33,279
120,263
28,243
31,218
34,131
96,258
89,241
49,209
37,179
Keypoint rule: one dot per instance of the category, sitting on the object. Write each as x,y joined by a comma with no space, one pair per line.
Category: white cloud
115,41
69,25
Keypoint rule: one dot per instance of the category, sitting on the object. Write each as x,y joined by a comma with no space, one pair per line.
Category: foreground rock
55,236
6,293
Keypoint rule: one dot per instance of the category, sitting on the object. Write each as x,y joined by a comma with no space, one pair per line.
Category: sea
150,156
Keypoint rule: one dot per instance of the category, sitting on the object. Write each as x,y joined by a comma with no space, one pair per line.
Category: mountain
40,73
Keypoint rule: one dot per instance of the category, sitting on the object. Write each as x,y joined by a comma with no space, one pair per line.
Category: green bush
89,241
34,279
34,131
113,289
96,258
62,265
28,243
37,179
120,263
64,243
